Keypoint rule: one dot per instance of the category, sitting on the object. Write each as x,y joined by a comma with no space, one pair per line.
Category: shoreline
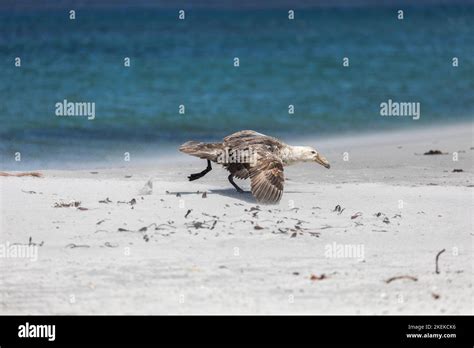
168,152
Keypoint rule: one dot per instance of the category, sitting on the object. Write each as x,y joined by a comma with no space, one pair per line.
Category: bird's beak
322,161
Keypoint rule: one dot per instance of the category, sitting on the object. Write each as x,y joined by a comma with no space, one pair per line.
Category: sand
223,253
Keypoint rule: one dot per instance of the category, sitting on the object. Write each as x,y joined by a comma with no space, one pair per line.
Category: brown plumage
248,154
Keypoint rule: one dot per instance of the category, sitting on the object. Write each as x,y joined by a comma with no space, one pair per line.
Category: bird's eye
313,152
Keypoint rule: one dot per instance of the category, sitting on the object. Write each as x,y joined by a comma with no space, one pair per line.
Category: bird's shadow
245,196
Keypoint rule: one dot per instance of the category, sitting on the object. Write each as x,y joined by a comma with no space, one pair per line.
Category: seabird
249,154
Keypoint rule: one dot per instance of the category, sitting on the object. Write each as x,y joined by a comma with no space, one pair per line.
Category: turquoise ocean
190,62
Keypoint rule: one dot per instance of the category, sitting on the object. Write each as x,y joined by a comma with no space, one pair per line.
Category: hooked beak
322,161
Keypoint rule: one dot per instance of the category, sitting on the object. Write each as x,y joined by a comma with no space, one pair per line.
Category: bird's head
309,154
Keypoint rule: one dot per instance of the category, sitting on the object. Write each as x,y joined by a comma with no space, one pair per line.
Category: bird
249,154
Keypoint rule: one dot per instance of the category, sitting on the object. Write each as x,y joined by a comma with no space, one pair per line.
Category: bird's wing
267,177
247,138
242,135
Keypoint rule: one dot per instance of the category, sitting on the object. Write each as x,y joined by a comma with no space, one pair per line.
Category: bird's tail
210,151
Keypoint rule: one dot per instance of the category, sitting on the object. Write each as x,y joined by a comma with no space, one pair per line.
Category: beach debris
379,231
437,259
159,227
106,201
34,174
31,192
458,170
133,201
296,273
72,246
435,152
82,208
94,172
30,242
178,194
326,227
339,209
356,215
397,216
409,277
62,204
254,210
147,189
258,227
142,229
386,220
99,222
209,224
435,296
127,176
146,238
204,195
97,231
379,214
110,245
316,277
188,212
293,235
212,216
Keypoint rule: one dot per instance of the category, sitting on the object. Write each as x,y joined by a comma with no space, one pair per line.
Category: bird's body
249,154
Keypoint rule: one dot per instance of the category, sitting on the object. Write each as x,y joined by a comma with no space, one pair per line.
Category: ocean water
173,62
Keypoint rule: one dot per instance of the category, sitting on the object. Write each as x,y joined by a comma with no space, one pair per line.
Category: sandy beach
360,238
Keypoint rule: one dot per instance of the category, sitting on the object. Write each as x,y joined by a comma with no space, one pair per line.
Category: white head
306,154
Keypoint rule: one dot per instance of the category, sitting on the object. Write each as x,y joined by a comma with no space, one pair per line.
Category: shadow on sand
232,193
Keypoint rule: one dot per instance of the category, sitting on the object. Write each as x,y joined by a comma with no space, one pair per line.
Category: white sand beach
174,251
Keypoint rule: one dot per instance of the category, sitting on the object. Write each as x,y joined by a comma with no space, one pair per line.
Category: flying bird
249,154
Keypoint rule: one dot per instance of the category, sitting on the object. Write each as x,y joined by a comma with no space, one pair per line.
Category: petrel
249,154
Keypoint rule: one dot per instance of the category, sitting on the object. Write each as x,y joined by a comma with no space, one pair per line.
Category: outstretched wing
267,178
242,135
248,138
